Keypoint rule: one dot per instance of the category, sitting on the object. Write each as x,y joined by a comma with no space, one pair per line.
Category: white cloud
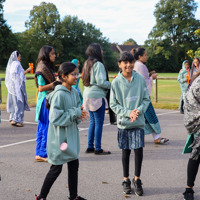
119,20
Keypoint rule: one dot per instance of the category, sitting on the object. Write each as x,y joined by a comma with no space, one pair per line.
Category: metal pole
155,86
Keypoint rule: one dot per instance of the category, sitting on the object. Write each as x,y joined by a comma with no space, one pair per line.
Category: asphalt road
100,177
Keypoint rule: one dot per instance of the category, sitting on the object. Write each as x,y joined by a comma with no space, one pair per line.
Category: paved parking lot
100,177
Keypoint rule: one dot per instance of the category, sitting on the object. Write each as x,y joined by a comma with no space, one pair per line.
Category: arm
146,100
42,84
27,70
182,78
100,76
59,117
115,106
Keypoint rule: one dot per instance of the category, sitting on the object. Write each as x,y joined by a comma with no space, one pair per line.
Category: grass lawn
168,91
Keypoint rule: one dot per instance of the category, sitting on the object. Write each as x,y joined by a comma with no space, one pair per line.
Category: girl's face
196,62
52,55
143,58
19,58
71,79
126,66
187,66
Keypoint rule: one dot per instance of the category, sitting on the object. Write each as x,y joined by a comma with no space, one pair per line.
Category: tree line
167,43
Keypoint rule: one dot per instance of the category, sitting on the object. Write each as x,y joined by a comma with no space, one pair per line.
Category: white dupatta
14,76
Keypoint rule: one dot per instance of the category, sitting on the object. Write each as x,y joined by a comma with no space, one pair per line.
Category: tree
43,28
8,42
175,22
130,41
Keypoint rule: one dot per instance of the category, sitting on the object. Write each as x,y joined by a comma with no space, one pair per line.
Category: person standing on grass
15,82
64,116
183,79
44,78
192,124
195,68
129,99
96,85
152,124
77,63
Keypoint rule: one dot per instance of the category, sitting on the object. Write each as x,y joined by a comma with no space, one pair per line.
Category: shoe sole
138,194
127,192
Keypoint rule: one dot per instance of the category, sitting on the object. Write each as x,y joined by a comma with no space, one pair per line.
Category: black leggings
53,174
138,161
192,170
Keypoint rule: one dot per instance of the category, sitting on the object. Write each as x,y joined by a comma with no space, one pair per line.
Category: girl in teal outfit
77,63
129,99
44,77
183,79
64,116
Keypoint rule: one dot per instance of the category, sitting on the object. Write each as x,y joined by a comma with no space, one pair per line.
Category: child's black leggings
138,161
192,170
53,174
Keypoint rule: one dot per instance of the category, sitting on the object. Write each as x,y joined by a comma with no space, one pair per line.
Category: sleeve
115,106
40,80
100,76
145,101
59,117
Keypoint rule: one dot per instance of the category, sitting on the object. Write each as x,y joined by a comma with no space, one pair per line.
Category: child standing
96,85
64,116
44,78
129,99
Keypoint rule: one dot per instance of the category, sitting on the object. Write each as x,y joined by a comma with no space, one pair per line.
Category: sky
118,20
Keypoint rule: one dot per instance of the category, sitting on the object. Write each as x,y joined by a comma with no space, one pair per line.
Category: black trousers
53,174
192,170
138,161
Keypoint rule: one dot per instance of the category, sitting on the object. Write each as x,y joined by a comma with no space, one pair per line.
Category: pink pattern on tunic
141,69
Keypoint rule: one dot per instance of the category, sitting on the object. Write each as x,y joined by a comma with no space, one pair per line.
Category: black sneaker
101,152
188,194
77,198
126,186
137,187
89,150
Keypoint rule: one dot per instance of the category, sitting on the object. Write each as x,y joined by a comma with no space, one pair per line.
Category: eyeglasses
75,74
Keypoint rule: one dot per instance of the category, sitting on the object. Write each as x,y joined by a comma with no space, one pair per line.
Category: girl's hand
84,115
154,76
134,114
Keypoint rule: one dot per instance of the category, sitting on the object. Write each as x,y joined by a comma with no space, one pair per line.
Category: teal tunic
64,116
40,97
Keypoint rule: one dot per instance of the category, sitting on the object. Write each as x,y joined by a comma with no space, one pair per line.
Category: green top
126,96
40,97
64,116
98,82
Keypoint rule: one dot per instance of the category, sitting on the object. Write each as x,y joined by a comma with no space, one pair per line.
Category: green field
168,91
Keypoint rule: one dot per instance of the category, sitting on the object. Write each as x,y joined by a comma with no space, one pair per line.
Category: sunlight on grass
168,91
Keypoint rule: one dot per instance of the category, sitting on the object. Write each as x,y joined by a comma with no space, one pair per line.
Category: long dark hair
65,68
44,56
138,52
94,53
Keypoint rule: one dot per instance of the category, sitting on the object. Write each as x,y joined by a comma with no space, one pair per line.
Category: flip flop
18,124
40,159
13,123
161,140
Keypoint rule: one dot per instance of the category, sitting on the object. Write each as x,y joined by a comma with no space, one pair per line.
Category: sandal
161,140
13,123
18,124
40,159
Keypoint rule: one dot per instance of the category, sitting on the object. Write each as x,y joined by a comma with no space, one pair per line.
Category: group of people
61,107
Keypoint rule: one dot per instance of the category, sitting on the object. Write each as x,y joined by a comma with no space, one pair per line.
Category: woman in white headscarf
15,82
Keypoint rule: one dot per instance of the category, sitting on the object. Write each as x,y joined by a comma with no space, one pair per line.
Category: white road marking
80,129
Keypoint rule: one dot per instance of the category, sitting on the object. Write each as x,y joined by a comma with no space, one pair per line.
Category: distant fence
155,86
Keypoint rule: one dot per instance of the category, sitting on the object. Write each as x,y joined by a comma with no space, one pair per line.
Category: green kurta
64,116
